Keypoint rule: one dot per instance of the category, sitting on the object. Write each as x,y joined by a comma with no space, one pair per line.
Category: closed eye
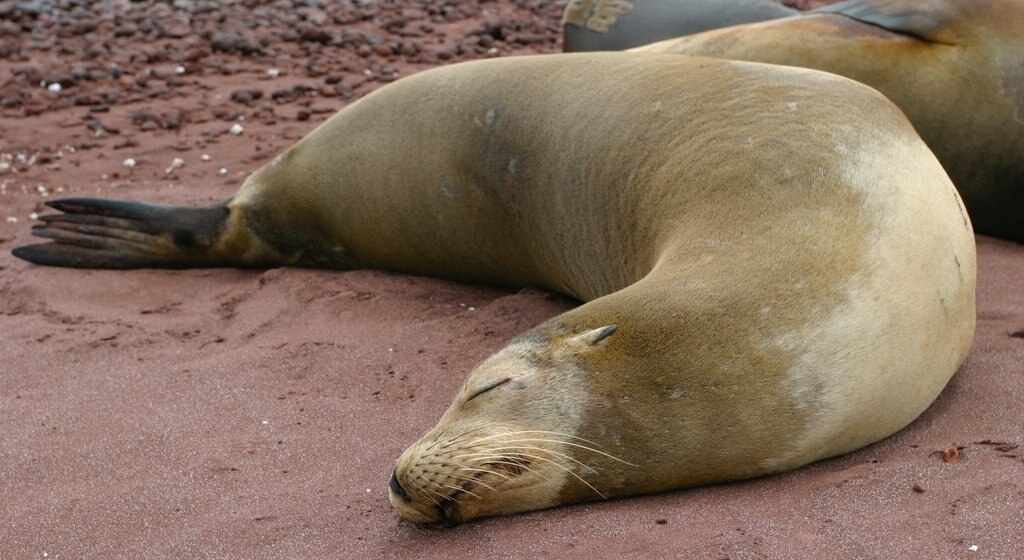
488,387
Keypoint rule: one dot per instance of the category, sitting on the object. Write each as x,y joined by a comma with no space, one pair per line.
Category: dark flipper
927,21
613,26
98,233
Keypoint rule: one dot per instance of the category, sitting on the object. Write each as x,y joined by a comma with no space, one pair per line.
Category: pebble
175,165
246,95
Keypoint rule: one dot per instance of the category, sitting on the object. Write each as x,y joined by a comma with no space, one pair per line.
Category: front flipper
98,233
928,21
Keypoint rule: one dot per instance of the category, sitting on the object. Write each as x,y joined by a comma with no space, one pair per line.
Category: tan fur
956,68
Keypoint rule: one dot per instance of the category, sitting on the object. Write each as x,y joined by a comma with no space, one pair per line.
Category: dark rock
229,41
246,95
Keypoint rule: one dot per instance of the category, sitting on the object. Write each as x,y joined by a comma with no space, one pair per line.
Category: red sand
257,414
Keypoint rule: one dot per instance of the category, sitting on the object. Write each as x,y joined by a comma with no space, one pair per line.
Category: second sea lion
955,67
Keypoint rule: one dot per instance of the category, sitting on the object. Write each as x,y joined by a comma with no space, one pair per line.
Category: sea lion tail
98,233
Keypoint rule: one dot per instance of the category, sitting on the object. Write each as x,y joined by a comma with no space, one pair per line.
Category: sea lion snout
396,488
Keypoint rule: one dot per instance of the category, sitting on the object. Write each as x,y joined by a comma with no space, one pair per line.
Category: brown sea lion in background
775,267
614,25
955,68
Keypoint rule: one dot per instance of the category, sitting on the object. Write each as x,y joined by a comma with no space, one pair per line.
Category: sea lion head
508,443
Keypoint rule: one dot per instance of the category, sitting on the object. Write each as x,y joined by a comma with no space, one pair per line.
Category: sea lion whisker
457,477
424,491
429,497
552,452
514,433
569,443
431,481
475,480
462,489
450,442
433,463
520,465
578,477
481,469
575,437
506,459
443,496
563,434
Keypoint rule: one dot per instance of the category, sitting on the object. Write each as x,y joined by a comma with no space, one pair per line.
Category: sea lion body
775,267
955,68
600,25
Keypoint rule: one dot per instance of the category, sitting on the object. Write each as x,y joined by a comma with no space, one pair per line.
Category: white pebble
492,50
205,157
973,548
273,72
367,72
237,129
129,163
34,215
179,70
12,220
54,87
178,163
222,171
266,422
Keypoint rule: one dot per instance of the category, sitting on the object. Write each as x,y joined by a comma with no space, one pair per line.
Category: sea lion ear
593,337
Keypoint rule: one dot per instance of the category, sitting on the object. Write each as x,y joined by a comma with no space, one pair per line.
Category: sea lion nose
397,488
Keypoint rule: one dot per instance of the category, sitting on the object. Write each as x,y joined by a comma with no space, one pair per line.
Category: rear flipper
98,233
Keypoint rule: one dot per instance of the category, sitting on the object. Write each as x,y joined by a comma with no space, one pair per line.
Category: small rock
229,41
315,35
951,455
246,95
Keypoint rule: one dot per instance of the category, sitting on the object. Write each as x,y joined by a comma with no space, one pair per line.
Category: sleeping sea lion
775,267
